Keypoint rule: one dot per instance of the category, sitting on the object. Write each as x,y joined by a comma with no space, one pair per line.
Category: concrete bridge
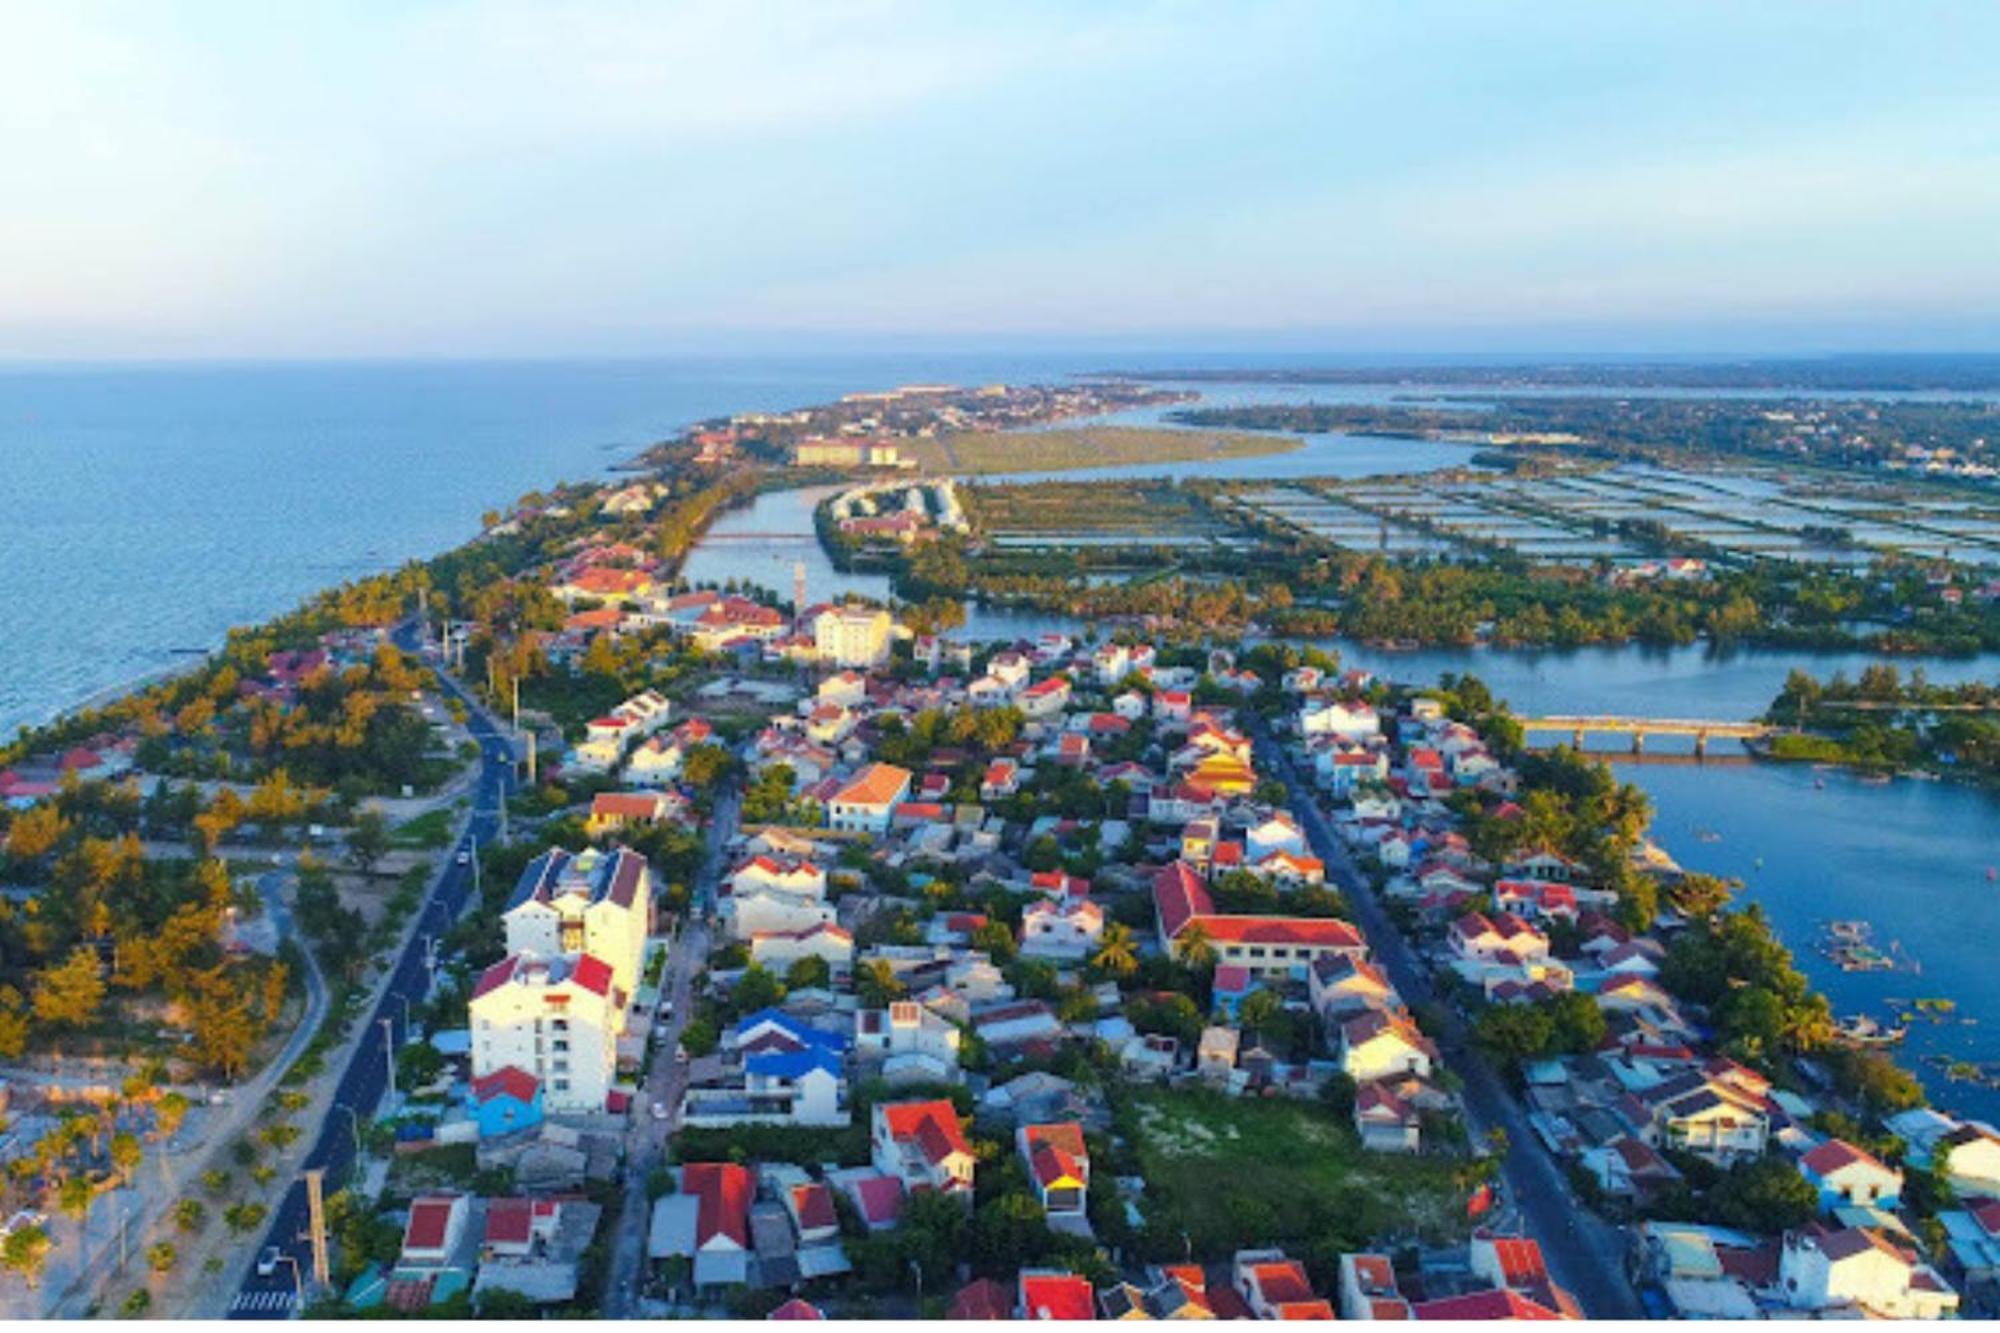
1638,728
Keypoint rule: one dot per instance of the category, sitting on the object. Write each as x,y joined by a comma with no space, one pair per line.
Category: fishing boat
1863,1030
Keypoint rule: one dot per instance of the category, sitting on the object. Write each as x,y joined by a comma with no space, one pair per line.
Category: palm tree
1116,953
74,1197
1194,948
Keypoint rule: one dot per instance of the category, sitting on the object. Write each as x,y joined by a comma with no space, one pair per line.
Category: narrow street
1585,1254
666,1078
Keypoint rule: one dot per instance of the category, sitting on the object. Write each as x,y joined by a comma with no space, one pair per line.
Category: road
365,1079
666,1081
1585,1254
152,1195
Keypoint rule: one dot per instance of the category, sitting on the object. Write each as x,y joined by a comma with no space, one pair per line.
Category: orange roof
877,784
933,1125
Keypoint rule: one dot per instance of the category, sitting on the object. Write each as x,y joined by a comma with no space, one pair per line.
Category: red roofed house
1275,1287
1284,946
613,810
922,1145
435,1229
984,1299
1844,1174
556,1019
724,1192
1368,1288
796,1308
1058,1166
1043,1293
1485,1305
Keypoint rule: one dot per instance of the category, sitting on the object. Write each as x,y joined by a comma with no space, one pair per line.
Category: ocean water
147,509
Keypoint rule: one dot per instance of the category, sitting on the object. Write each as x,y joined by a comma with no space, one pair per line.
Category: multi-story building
558,1019
853,636
594,902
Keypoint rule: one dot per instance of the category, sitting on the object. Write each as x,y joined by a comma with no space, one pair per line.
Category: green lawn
1230,1172
430,829
978,453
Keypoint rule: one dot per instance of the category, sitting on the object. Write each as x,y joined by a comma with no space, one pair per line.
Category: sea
150,508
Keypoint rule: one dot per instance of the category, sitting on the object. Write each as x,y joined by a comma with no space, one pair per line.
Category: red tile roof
509,1221
593,974
984,1299
814,1205
1497,1304
430,1222
1056,1296
725,1190
508,1080
796,1308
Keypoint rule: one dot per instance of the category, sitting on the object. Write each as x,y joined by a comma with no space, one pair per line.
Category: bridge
1638,728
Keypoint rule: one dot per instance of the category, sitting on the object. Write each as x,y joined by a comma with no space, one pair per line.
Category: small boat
1819,784
1876,779
1862,1030
1992,873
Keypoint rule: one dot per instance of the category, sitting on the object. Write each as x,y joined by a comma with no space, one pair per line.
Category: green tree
189,1214
368,840
69,994
162,1257
1117,952
26,1251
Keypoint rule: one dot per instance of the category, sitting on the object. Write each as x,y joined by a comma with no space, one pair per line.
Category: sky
355,179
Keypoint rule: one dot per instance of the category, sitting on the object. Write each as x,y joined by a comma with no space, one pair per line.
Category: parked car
267,1262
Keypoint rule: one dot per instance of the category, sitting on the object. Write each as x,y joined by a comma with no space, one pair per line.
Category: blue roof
803,1033
793,1064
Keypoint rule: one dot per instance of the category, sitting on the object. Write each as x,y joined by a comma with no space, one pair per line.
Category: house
774,911
877,1198
785,874
611,811
436,1227
534,1247
981,1300
1058,1167
1043,1293
1845,1174
717,1197
1002,778
592,902
1627,1168
1860,1269
1045,698
1066,931
911,1041
556,1019
1718,1114
1275,1287
1368,1288
814,1219
796,1308
505,1100
1355,721
1379,1043
1268,945
777,950
1385,1122
1341,986
1277,832
1017,1024
922,1145
789,1073
863,805
1215,1053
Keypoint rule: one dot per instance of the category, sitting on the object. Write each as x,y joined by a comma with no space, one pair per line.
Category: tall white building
557,1018
594,902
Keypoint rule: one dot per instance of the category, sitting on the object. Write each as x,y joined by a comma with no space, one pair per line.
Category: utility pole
517,705
316,1220
531,759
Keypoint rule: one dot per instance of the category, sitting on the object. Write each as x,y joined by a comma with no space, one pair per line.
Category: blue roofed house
505,1101
777,1070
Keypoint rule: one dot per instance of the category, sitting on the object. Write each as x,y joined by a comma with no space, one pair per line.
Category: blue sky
458,179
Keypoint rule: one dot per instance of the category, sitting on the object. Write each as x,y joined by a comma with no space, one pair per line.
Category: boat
1875,779
1862,1030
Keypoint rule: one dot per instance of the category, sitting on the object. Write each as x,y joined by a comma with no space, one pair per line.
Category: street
364,1081
1585,1254
666,1080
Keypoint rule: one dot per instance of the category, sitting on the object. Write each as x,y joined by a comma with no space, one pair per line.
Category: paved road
1584,1253
667,1080
365,1080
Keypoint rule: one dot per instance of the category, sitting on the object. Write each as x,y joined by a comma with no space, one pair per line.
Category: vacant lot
1145,508
976,454
1221,1169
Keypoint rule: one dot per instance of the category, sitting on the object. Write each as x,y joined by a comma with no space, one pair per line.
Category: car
465,858
267,1262
660,1111
680,1055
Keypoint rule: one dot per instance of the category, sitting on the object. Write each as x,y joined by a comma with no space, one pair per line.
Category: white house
922,1145
1334,718
1380,1043
865,802
910,1040
559,1019
1863,1270
593,902
785,874
777,950
1068,930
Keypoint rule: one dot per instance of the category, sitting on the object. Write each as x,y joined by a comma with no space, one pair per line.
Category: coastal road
1585,1254
666,1080
365,1079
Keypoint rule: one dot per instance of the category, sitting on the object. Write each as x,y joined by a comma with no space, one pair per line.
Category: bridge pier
1638,742
1576,740
1701,745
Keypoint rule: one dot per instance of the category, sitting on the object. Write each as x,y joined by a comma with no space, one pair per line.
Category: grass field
1084,506
1220,1169
979,453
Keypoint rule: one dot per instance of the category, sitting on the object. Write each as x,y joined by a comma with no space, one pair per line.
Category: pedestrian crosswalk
263,1302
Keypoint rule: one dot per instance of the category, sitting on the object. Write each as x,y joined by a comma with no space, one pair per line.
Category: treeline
1883,720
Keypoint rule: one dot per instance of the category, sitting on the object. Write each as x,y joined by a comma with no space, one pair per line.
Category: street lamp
354,1122
298,1279
389,1051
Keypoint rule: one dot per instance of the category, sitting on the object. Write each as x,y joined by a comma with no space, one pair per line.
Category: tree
996,940
808,973
26,1251
169,1112
74,1197
1258,1009
36,831
126,1154
368,840
162,1257
1513,1032
68,994
876,984
1117,955
756,989
189,1214
1766,1195
1194,948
